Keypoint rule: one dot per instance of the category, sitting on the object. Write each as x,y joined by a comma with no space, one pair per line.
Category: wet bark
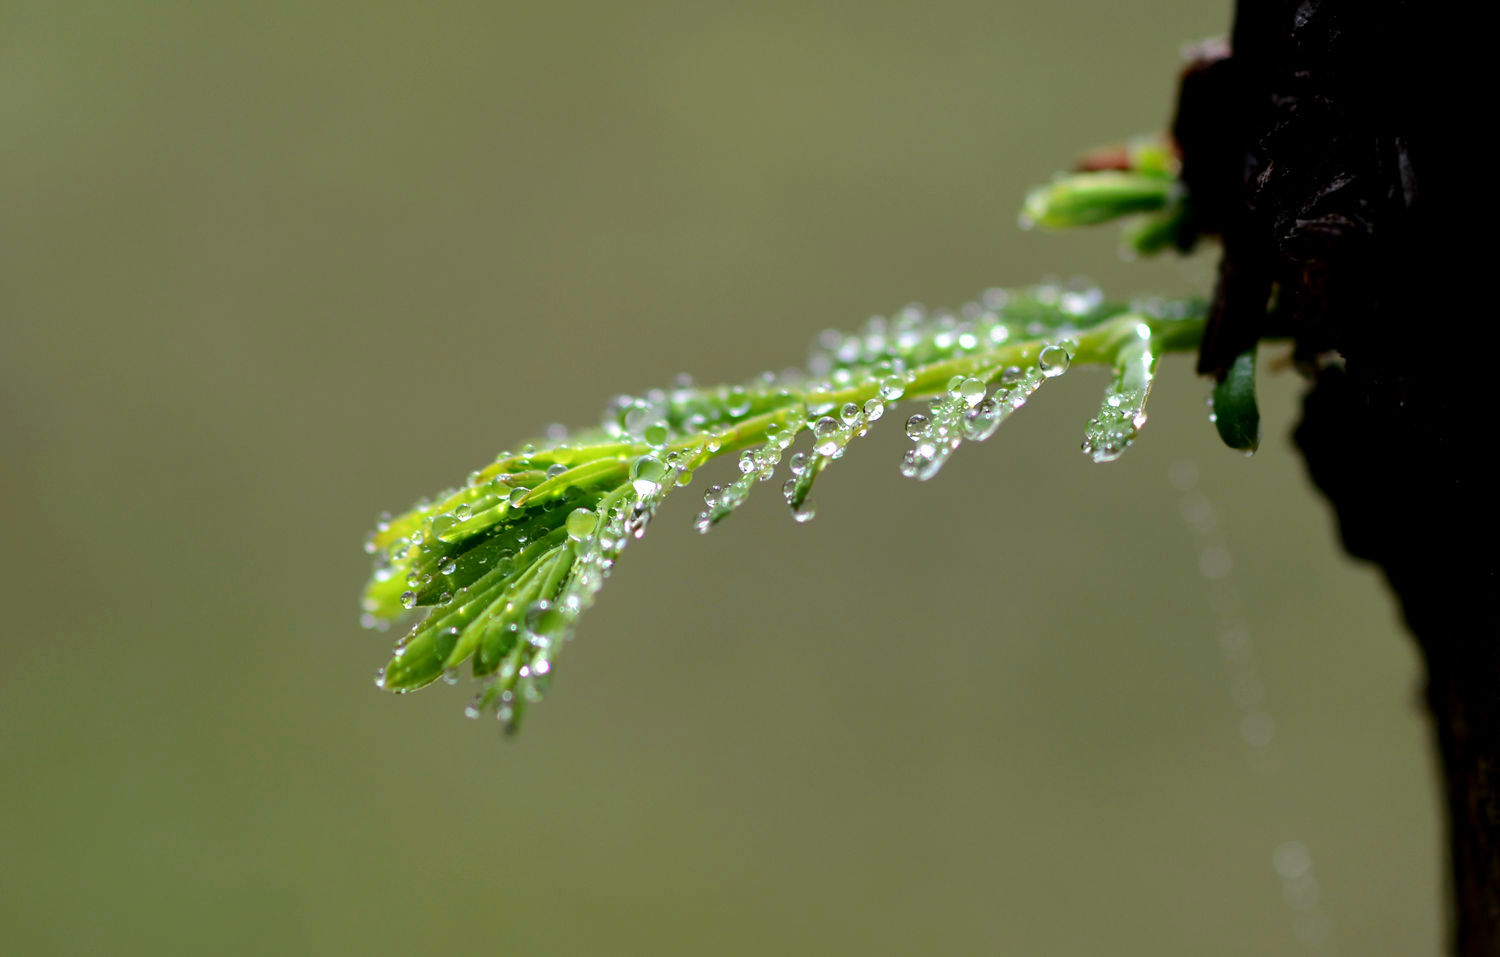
1334,147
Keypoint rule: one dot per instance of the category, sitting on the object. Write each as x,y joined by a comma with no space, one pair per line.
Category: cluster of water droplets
756,464
1123,412
971,410
506,564
833,428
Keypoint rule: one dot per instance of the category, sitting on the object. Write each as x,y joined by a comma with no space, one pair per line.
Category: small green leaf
1086,199
1235,414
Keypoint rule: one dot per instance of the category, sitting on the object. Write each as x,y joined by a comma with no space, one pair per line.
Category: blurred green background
267,269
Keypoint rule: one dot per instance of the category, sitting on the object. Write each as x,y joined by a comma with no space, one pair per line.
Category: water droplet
637,417
1257,728
449,567
918,426
581,523
826,433
798,463
1183,475
874,409
981,421
849,413
909,464
970,390
518,495
656,435
1080,299
1198,512
639,517
737,402
805,511
409,599
646,474
1214,562
1053,361
1292,860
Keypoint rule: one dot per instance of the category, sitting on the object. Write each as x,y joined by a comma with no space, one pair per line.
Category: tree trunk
1333,148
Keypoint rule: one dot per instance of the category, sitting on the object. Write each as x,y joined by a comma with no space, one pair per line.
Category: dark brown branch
1334,150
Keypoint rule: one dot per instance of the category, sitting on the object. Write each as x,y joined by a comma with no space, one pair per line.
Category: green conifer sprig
502,567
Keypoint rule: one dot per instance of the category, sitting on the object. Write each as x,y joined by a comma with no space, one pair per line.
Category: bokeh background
269,268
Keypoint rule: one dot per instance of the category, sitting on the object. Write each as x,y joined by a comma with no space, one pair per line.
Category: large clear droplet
1053,361
971,391
581,523
918,426
646,474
